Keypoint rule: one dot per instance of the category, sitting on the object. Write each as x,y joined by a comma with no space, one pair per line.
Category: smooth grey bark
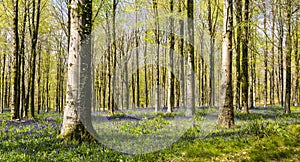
190,88
77,112
226,115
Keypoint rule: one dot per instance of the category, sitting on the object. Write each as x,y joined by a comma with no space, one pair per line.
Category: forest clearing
137,80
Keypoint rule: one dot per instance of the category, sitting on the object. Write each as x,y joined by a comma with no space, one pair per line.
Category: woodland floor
266,134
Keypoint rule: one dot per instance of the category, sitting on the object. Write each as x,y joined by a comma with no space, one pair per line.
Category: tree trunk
114,52
3,84
133,87
288,45
171,77
204,80
212,27
137,61
280,58
182,58
22,60
35,29
39,80
297,60
200,67
245,76
16,71
146,78
265,56
77,113
272,74
8,87
126,85
104,77
47,87
239,6
226,116
58,79
157,39
190,104
252,90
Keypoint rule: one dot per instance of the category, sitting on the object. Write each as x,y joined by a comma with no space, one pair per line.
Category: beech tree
182,60
33,72
297,60
288,63
77,112
265,55
212,23
226,115
190,103
157,37
245,44
272,73
34,31
171,77
239,6
280,78
16,106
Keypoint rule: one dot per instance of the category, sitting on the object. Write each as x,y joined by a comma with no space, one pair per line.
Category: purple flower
57,151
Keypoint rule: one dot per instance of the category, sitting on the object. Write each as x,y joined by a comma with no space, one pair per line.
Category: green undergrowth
264,135
144,126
